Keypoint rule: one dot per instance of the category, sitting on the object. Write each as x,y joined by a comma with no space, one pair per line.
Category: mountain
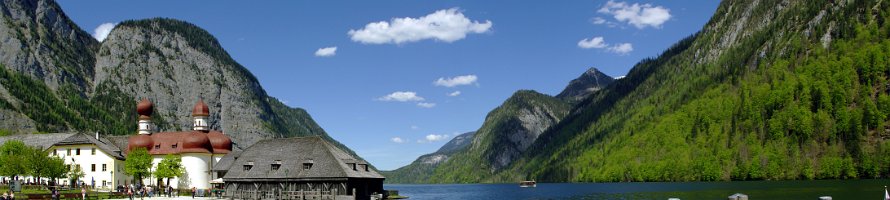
590,81
767,90
422,168
507,132
56,78
174,63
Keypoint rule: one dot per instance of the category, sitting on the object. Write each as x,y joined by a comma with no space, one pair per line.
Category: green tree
75,174
12,155
37,162
170,167
55,169
138,164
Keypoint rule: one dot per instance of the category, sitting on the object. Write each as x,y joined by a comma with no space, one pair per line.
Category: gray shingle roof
226,161
328,161
104,144
43,141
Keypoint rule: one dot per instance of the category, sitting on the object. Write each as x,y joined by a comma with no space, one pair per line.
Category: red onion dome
144,108
201,109
220,142
139,141
196,142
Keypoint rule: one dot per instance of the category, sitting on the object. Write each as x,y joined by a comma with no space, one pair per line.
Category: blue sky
398,65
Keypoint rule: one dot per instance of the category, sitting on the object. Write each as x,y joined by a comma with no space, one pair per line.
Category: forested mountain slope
767,90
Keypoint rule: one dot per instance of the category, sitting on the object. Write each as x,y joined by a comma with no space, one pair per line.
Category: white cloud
600,43
444,25
101,32
623,48
426,105
595,42
456,81
433,138
638,15
598,20
326,52
454,94
397,140
414,127
401,96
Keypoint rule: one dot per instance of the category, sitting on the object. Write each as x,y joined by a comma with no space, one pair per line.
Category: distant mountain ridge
57,78
506,134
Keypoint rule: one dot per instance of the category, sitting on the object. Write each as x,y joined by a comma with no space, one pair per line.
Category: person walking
83,193
194,190
130,192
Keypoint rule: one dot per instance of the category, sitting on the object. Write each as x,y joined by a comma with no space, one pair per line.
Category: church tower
200,114
144,109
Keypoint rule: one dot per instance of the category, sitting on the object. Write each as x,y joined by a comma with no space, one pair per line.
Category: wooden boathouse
297,168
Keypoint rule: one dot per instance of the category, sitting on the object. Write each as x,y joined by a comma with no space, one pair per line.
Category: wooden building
298,168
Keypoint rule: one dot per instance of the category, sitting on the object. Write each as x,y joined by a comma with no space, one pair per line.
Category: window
352,165
157,146
364,166
307,166
174,145
93,151
77,152
104,167
276,164
104,183
248,166
54,153
92,167
69,151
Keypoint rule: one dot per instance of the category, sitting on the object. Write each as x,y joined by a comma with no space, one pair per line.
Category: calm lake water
756,190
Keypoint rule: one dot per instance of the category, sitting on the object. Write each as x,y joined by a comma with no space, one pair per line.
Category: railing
297,195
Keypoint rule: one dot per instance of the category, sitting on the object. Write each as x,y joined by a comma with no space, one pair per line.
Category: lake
756,190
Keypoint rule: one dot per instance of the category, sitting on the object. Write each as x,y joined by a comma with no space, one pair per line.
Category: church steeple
145,108
200,114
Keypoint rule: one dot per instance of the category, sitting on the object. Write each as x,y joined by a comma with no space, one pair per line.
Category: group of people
146,191
7,196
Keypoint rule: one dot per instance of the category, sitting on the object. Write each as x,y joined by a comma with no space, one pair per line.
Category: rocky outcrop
40,41
174,63
590,81
511,128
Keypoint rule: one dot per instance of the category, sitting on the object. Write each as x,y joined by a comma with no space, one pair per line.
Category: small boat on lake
528,184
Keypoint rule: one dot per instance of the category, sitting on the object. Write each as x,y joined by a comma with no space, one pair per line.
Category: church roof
328,161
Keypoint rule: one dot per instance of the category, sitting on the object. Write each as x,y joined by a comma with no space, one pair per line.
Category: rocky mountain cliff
39,40
590,81
56,78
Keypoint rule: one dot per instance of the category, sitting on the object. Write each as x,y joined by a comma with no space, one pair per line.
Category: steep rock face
511,128
175,63
591,81
40,41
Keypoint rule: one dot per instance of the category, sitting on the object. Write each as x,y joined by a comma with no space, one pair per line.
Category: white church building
102,158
